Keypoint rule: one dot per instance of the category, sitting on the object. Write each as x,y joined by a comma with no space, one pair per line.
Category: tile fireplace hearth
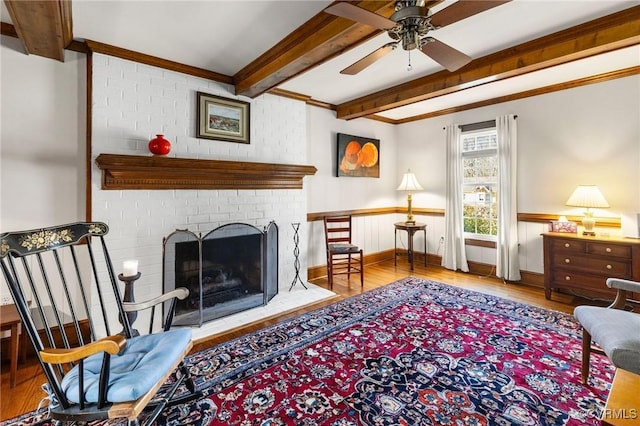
228,270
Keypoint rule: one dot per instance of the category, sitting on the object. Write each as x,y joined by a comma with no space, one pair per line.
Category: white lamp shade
409,182
587,196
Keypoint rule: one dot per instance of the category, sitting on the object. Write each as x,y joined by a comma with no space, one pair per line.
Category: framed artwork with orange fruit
358,156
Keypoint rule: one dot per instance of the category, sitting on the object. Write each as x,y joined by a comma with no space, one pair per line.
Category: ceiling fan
409,26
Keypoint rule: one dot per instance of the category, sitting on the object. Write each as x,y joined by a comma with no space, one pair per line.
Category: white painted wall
330,193
43,138
345,193
42,144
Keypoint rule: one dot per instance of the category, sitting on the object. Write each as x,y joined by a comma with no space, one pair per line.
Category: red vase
159,145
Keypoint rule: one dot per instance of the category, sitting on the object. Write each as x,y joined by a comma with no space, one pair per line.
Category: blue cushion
616,332
140,365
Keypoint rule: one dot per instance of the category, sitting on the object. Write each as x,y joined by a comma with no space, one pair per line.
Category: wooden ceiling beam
593,79
142,58
321,38
612,32
45,27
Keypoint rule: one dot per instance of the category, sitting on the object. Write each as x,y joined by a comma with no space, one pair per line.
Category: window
480,183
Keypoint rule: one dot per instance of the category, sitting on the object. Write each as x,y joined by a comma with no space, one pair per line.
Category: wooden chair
614,329
343,257
79,329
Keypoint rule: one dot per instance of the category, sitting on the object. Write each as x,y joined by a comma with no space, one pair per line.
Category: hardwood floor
27,394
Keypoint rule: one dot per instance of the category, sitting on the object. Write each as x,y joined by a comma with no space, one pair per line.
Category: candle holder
296,254
130,297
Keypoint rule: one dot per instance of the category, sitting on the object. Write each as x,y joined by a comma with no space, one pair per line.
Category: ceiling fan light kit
409,26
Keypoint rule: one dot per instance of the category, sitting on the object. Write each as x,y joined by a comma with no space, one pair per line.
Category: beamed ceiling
46,28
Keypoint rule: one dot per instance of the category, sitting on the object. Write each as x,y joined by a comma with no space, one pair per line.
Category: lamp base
410,220
589,223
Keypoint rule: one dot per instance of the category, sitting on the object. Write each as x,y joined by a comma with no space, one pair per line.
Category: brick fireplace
229,269
142,197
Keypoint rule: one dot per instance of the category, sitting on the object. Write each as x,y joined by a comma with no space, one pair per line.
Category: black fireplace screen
230,269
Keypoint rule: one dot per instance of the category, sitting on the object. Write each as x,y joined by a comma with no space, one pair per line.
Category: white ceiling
225,36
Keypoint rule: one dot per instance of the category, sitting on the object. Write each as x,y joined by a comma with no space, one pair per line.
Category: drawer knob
567,245
608,250
609,267
567,278
567,260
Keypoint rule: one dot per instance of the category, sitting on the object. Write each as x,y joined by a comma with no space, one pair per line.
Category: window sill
479,243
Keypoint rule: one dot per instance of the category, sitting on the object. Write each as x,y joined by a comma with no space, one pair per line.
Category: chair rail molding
603,222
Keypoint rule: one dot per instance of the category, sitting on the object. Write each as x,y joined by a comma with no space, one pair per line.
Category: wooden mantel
156,172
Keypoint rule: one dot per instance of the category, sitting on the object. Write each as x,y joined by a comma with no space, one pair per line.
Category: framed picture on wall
222,119
358,156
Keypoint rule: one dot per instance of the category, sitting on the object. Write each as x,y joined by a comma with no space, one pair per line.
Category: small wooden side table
10,320
411,229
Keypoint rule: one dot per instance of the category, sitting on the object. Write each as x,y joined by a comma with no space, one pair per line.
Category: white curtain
454,256
507,263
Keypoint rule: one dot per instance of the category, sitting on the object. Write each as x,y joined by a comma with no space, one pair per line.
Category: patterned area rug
414,352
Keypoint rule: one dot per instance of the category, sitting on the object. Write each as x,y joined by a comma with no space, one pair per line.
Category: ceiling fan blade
445,55
358,66
461,10
358,14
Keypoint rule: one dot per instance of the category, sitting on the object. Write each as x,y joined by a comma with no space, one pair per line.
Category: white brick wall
131,104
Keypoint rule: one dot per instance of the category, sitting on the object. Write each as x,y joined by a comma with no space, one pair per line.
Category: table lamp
588,196
409,183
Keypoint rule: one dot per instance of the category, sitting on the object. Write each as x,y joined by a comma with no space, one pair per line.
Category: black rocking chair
67,295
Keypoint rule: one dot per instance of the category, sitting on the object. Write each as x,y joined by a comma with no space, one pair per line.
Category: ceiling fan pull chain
409,67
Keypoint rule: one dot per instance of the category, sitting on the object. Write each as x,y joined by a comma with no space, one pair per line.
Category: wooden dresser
582,264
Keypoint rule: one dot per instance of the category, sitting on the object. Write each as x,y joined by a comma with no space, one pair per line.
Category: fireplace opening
230,269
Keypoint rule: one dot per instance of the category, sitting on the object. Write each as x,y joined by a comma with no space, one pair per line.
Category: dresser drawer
612,267
576,279
568,246
604,249
582,283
